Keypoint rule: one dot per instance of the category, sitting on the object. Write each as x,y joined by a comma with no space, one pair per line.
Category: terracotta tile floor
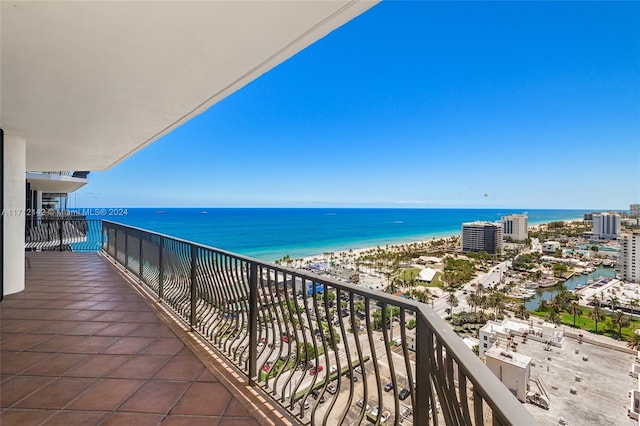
80,346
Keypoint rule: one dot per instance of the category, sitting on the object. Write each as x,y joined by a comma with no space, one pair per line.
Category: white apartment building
606,226
634,210
509,331
482,236
515,226
550,246
629,257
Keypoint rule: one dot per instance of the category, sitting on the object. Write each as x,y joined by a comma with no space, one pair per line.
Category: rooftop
595,364
510,357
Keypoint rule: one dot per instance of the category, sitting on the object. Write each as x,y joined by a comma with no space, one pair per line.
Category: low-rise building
564,260
426,275
513,370
550,246
504,334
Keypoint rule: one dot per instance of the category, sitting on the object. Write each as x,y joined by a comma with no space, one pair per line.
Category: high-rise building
515,227
629,258
634,210
482,236
606,226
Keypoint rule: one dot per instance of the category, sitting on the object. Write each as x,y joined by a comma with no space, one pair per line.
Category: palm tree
575,309
556,303
521,311
621,321
553,317
613,301
472,300
596,315
452,300
497,301
633,342
424,296
633,304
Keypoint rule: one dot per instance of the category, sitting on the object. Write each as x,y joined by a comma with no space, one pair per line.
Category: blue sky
418,104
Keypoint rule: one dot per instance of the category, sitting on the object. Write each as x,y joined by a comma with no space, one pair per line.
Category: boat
204,212
580,287
547,283
161,212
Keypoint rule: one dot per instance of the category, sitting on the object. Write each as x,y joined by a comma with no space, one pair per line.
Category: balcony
81,346
279,345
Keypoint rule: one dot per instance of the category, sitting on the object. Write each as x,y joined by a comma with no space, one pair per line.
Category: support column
38,205
14,163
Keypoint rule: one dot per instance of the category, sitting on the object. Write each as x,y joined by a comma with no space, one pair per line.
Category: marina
570,284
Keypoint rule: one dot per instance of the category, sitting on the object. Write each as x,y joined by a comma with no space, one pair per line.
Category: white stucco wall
14,187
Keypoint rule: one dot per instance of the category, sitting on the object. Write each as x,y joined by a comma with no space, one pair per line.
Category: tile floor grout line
197,346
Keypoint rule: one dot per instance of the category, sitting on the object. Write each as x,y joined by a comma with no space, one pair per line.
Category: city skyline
442,105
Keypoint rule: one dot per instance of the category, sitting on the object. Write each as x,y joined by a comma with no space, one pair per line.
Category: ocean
272,233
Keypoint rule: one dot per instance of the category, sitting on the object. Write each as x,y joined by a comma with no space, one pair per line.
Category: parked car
331,389
388,387
385,416
375,410
358,369
315,370
315,394
360,404
404,393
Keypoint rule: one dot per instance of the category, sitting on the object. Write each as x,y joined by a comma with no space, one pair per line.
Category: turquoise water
270,234
550,292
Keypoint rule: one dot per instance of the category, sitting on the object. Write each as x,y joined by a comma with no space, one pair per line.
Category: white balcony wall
14,188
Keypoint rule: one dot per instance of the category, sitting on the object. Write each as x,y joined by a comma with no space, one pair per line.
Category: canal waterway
549,293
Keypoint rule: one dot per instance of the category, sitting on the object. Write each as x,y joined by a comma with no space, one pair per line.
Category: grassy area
435,282
408,274
276,368
605,326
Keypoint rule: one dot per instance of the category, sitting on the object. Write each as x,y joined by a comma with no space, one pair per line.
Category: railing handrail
499,398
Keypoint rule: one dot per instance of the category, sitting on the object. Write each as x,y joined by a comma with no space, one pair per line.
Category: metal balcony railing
328,352
68,232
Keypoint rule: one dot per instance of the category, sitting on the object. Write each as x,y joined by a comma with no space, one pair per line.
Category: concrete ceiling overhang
47,182
88,84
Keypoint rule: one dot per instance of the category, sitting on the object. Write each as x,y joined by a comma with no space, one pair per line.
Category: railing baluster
161,269
193,283
60,234
140,258
253,320
423,376
477,408
126,250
